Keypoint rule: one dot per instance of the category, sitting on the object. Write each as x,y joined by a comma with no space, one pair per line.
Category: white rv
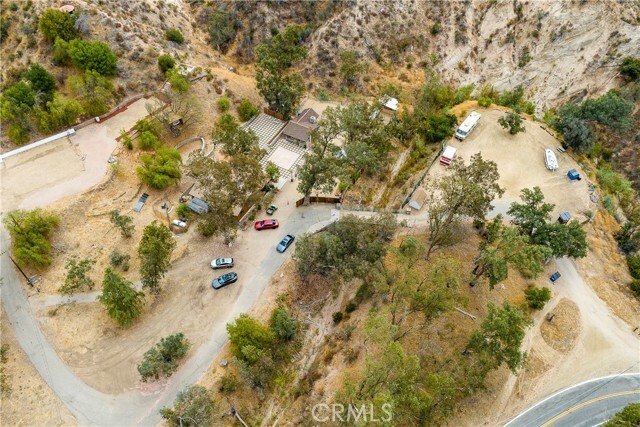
467,126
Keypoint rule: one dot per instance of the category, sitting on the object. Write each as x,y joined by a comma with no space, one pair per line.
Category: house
417,199
298,128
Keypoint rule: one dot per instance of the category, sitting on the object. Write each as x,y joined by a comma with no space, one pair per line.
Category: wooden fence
319,200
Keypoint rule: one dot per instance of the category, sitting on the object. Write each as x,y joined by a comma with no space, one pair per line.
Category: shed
418,198
389,103
564,217
199,206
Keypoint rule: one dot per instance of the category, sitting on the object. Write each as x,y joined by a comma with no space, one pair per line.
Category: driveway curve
587,404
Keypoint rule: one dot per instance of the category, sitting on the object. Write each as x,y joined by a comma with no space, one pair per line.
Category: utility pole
19,269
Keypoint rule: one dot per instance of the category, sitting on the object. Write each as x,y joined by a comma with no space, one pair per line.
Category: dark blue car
555,276
224,280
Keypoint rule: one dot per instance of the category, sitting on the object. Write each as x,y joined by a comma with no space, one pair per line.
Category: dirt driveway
521,163
67,166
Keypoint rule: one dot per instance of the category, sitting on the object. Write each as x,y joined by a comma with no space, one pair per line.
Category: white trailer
468,125
448,155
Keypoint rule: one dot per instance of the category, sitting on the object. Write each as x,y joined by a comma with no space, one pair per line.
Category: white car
222,263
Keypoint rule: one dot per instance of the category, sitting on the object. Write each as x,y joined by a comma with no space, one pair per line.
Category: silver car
222,263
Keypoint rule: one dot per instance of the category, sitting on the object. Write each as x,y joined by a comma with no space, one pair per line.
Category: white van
467,126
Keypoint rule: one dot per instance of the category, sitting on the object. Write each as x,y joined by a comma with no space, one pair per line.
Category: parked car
224,280
271,209
222,263
267,224
285,243
555,276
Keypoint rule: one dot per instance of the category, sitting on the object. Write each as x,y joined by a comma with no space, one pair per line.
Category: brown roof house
299,128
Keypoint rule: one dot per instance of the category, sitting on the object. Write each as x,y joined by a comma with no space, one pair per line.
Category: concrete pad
284,158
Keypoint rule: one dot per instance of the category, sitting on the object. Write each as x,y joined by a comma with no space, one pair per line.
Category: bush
184,211
436,28
537,297
223,103
351,307
41,80
61,112
249,339
633,262
337,317
18,134
54,24
162,169
635,287
484,102
228,383
246,110
148,141
513,122
162,359
122,301
60,55
119,259
127,142
30,234
194,407
95,92
177,81
174,35
166,62
93,55
630,68
283,325
272,171
123,222
221,30
77,275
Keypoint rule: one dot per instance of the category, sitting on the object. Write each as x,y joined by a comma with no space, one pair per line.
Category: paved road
587,404
92,407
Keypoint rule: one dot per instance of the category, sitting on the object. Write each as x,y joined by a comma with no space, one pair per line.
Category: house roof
418,198
304,118
296,131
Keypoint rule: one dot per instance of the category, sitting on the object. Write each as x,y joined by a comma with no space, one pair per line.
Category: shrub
148,141
122,301
194,407
436,28
228,383
249,338
166,62
633,262
123,222
484,102
162,359
95,92
54,24
635,287
337,317
177,81
184,211
537,297
60,55
61,112
119,259
221,30
93,55
174,35
272,171
513,122
41,80
283,325
525,57
609,204
18,134
127,142
351,307
223,103
162,169
246,110
30,234
630,68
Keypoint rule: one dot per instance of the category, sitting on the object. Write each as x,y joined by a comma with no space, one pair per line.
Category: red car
267,224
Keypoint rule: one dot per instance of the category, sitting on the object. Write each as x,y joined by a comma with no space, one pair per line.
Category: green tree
96,92
513,122
156,247
533,213
17,102
351,68
226,186
194,407
283,325
223,103
162,359
247,336
174,35
609,110
221,30
273,171
630,68
321,166
42,81
54,24
123,222
629,416
563,239
166,62
93,56
500,336
60,55
123,303
177,81
282,90
60,112
77,275
246,110
148,141
537,297
31,232
162,169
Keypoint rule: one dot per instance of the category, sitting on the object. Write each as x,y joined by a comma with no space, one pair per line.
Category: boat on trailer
550,159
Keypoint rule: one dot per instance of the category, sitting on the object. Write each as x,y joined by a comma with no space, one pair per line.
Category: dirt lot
84,156
31,401
520,160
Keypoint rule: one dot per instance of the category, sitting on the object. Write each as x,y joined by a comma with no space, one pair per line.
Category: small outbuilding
417,199
564,218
